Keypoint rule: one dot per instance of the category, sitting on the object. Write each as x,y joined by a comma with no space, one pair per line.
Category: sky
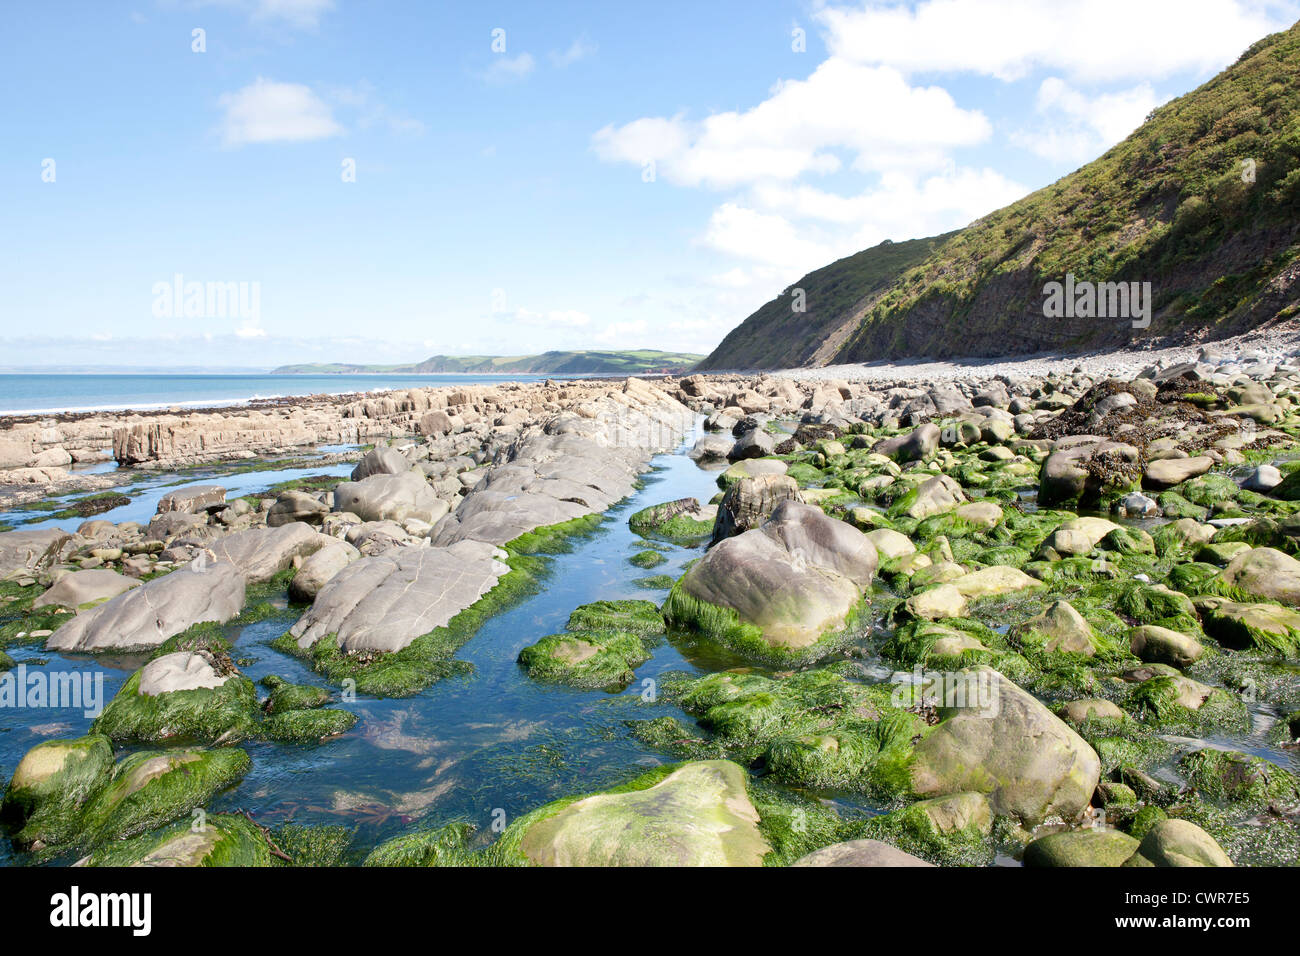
260,182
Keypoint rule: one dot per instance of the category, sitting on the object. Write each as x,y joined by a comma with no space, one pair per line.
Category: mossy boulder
1236,777
1174,842
1158,604
867,853
1105,847
306,726
1270,628
586,659
779,589
1058,629
682,520
221,840
699,814
150,789
635,617
50,786
1266,573
647,559
979,745
285,696
206,706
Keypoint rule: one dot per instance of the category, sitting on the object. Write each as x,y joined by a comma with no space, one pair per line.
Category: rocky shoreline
1010,610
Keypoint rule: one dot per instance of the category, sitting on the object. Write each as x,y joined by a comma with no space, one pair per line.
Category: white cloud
1079,126
505,69
762,237
871,112
1090,40
268,112
579,49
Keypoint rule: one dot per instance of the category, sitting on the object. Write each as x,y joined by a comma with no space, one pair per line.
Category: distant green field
628,362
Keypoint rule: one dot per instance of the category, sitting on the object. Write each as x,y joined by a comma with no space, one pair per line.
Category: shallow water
146,489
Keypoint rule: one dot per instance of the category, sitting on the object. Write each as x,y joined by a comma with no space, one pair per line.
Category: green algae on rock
586,659
698,814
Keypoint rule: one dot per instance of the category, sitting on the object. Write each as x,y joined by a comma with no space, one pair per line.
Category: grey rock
192,500
146,616
383,603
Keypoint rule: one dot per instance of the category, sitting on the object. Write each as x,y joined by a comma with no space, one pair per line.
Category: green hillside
1169,206
627,362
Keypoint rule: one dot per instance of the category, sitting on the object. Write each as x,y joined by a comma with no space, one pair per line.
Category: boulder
750,501
917,445
792,581
698,815
755,443
318,568
1160,645
262,553
933,496
1081,848
381,461
1060,628
1178,843
387,497
383,603
192,500
860,853
84,588
1167,472
981,745
28,553
1265,572
294,506
144,617
710,448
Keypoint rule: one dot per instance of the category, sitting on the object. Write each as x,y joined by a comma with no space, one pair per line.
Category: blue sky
611,175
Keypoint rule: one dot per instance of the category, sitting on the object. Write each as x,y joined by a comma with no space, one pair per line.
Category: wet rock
146,616
192,500
28,553
82,589
262,553
387,497
860,853
982,747
699,815
1178,843
1081,848
383,603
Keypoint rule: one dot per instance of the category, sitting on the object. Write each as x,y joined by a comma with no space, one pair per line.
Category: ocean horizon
52,393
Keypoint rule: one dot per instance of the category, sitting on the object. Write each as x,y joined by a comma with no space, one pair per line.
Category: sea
32,393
